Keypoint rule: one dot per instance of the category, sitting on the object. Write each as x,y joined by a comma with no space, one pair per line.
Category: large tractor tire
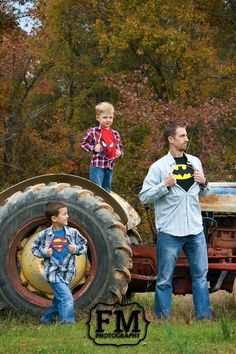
109,255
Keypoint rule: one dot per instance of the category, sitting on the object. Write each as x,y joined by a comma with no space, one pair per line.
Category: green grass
181,334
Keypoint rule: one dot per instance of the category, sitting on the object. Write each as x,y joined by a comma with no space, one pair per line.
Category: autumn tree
7,17
20,73
67,44
48,77
154,60
172,60
173,41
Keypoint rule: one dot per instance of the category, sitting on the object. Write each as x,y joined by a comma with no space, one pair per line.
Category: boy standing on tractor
105,146
58,245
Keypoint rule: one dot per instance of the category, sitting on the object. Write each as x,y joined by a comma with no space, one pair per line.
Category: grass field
182,334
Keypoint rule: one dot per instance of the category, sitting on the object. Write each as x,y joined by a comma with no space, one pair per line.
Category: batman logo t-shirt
183,173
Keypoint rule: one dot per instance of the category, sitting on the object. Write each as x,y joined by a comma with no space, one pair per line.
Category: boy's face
62,218
105,119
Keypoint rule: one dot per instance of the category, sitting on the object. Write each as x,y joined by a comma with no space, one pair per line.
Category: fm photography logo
117,324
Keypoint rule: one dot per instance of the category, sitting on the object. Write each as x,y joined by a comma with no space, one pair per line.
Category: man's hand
117,154
49,252
199,177
170,180
71,247
97,148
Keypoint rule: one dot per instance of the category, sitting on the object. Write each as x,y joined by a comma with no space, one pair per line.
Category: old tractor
117,263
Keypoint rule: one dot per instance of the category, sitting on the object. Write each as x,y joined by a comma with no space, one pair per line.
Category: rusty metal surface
223,238
222,266
144,252
218,203
220,252
73,181
221,197
220,185
144,271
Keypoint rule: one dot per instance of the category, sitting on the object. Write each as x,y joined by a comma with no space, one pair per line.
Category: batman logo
183,172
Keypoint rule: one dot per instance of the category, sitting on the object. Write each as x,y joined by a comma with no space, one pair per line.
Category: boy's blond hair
104,107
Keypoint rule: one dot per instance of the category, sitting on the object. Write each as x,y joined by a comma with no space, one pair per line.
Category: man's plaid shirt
99,159
53,270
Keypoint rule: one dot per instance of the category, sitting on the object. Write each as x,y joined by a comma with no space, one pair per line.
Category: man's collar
190,160
171,159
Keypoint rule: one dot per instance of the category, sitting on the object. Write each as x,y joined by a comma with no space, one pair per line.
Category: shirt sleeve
203,188
88,142
153,186
38,246
80,244
119,143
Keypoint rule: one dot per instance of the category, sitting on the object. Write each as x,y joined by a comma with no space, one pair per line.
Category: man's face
180,140
61,219
105,119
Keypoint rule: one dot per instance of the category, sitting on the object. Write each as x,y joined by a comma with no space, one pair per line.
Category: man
173,184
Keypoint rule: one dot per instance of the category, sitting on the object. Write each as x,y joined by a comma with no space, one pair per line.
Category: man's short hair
52,209
104,107
170,130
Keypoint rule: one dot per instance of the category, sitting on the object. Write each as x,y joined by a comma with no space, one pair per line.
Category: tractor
117,263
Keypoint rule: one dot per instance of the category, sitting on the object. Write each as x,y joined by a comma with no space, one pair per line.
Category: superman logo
183,172
58,244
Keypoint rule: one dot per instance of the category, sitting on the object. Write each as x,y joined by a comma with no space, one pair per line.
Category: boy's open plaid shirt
99,159
53,270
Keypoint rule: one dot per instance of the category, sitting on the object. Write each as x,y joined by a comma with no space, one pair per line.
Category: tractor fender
132,215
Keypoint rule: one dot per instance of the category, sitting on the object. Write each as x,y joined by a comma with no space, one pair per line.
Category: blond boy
105,146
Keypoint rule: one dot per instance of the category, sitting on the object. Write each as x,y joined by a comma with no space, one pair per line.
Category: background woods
157,61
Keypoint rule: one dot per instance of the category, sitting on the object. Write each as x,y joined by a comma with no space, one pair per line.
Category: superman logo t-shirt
59,245
183,172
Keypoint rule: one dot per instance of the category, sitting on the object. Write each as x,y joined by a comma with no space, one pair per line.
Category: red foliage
205,119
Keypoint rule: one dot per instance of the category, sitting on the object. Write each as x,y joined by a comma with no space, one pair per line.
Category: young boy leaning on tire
58,245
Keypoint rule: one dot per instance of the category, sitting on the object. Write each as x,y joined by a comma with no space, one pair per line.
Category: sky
25,21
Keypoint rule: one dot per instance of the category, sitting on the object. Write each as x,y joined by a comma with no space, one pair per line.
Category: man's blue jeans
168,249
62,305
102,177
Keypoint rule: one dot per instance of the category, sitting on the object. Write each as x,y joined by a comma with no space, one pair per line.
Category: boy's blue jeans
62,305
168,249
102,177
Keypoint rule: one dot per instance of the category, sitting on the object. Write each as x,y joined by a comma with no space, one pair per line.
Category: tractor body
219,220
